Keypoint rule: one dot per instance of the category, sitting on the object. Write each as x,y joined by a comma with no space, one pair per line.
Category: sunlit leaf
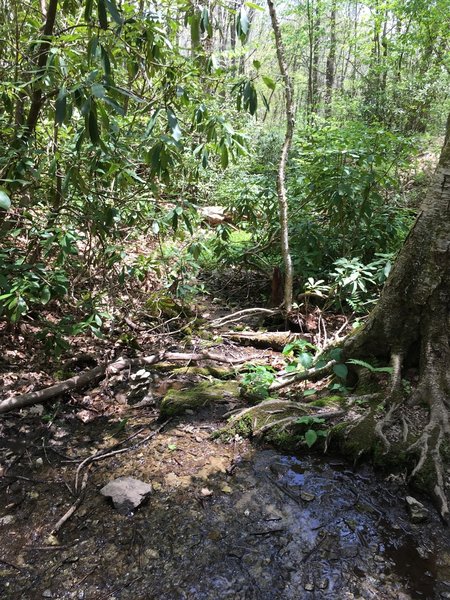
5,202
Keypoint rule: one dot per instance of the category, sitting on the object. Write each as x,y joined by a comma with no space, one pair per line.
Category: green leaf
243,25
5,202
195,30
112,9
341,370
371,368
257,64
102,16
310,437
61,106
98,90
93,127
88,10
269,82
254,6
305,360
224,157
173,124
309,392
45,294
336,354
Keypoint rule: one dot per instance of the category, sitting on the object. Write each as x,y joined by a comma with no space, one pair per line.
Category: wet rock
323,583
126,493
279,468
418,513
307,496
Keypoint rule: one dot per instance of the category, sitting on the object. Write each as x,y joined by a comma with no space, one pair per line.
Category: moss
62,375
217,372
243,427
176,402
329,401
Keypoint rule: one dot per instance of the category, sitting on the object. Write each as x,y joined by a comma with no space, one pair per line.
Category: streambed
231,522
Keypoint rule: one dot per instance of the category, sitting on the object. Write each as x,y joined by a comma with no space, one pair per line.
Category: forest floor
226,518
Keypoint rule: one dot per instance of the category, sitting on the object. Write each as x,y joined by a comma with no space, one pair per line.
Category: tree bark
331,60
281,175
42,54
411,324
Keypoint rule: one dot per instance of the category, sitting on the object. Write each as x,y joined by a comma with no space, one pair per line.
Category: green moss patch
176,402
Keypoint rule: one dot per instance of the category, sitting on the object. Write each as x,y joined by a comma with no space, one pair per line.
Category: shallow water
271,527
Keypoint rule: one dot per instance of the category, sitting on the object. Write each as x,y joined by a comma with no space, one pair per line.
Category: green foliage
256,382
311,435
371,368
358,284
299,355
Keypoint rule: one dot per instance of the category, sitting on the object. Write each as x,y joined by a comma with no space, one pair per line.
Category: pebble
307,496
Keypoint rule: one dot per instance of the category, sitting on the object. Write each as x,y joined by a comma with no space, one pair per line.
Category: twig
8,564
73,508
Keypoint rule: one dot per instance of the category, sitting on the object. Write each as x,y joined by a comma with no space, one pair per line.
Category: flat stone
126,493
418,513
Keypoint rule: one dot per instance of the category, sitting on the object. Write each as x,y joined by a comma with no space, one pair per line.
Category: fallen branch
243,314
310,374
276,340
99,372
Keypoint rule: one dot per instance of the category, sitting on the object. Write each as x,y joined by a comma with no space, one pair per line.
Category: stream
225,520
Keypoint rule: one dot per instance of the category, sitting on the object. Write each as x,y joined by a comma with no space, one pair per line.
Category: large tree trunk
411,324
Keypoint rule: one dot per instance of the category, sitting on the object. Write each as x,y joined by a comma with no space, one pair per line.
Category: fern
371,368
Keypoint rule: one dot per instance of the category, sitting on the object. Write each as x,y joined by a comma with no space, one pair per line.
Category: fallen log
99,372
276,340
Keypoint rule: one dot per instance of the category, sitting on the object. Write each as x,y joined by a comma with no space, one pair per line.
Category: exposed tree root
393,401
263,415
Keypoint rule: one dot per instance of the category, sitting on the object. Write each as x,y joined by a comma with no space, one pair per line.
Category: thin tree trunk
331,59
281,175
44,49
